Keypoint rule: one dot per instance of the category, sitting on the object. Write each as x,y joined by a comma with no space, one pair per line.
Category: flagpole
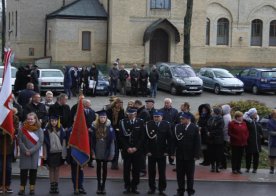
4,163
77,179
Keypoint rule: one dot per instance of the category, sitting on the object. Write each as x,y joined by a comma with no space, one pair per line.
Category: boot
99,191
103,188
21,190
56,188
213,168
32,189
271,170
52,188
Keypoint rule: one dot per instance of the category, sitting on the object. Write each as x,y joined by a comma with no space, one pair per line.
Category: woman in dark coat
271,127
67,82
103,138
93,75
84,79
253,147
204,111
215,134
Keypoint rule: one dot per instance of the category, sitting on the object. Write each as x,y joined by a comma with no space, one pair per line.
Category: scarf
101,131
29,127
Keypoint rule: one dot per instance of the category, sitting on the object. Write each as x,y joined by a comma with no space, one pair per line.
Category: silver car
220,80
13,75
178,78
50,80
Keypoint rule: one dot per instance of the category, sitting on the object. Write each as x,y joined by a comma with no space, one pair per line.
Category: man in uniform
158,146
132,138
187,147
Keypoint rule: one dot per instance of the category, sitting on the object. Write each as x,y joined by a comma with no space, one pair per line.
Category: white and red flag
6,114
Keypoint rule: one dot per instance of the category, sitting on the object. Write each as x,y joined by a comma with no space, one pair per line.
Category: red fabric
79,137
238,133
28,136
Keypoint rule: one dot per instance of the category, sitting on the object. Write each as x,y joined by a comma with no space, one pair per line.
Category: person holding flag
6,125
30,139
79,149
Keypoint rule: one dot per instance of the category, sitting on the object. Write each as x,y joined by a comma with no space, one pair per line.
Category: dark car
103,85
258,80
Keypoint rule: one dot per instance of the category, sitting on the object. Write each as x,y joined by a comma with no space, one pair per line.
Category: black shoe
254,171
234,172
162,193
21,192
134,191
90,165
217,170
143,174
271,171
76,192
8,190
179,194
52,188
239,172
127,191
247,170
82,191
151,192
174,170
98,192
32,192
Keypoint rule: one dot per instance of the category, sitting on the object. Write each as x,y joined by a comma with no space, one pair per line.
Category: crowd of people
140,132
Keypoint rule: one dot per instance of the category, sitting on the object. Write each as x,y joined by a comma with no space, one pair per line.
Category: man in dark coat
67,81
34,77
150,107
132,135
153,79
186,146
37,107
185,107
93,75
24,97
114,76
61,109
158,146
75,75
23,76
143,80
123,75
170,115
134,79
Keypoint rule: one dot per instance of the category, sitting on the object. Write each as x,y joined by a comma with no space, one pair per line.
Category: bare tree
187,32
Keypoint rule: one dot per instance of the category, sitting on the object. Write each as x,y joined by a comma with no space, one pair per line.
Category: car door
167,78
209,82
252,78
243,76
161,70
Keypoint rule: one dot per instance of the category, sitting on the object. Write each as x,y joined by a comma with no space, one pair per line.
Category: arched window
223,31
207,31
272,33
256,32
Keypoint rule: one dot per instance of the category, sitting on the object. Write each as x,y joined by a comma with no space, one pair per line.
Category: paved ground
115,188
195,101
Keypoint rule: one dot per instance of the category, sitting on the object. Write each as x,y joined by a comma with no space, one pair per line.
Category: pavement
202,173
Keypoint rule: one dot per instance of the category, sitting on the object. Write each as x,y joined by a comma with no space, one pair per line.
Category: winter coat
202,122
24,97
134,75
94,74
255,134
114,74
121,115
271,127
143,75
170,115
67,78
123,75
39,109
154,76
29,162
215,127
63,111
227,119
22,78
109,152
238,133
143,114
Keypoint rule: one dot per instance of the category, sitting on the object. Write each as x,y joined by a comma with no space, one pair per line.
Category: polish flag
6,114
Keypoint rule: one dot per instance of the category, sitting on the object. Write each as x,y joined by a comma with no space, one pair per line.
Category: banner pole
4,164
77,179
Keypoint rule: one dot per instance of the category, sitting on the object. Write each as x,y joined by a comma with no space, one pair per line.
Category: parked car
258,80
13,74
178,78
102,87
50,80
128,84
220,80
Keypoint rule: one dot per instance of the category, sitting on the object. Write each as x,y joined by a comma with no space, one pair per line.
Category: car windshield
48,74
183,72
13,72
269,74
223,74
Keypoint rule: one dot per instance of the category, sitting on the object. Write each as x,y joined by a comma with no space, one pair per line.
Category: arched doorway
159,46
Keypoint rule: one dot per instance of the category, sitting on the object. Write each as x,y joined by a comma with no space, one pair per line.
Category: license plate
55,83
273,82
100,87
193,88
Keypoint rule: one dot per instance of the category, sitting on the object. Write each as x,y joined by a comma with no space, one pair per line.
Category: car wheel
217,89
173,90
255,90
239,93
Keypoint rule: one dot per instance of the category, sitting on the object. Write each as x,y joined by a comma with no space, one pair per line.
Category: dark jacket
134,75
123,75
121,115
143,75
94,74
143,114
202,121
186,143
39,109
9,144
158,138
169,115
151,112
131,135
271,128
110,138
255,135
63,111
180,113
114,73
24,97
215,127
67,78
90,117
154,76
84,77
75,78
22,78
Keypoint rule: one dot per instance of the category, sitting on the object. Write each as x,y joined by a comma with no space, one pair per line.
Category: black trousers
74,168
161,163
216,153
101,172
117,149
134,88
143,86
185,169
132,164
24,176
237,152
249,157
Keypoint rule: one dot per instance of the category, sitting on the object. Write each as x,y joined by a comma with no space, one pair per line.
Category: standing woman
67,81
271,126
253,147
55,145
103,138
84,83
94,74
238,132
30,139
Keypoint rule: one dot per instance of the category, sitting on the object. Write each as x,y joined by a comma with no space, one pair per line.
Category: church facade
240,32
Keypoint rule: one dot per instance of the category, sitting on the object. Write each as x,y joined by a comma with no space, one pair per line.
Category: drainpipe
107,31
46,35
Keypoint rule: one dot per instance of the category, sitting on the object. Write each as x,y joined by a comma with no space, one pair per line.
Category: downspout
46,35
107,31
